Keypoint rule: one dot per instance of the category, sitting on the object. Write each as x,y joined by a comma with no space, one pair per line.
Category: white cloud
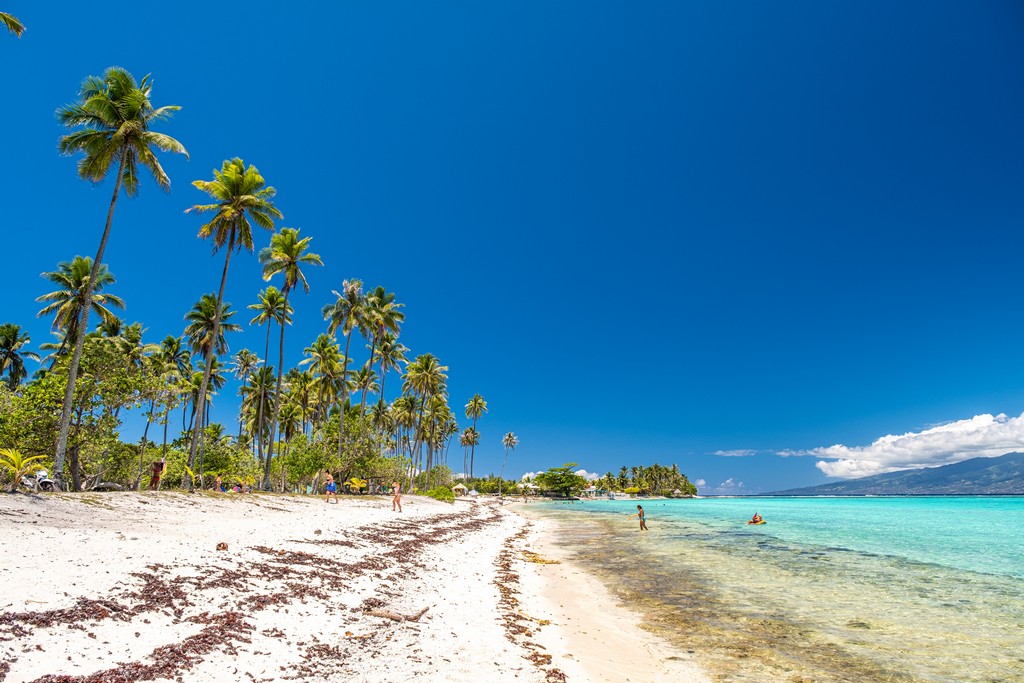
729,487
529,476
736,453
700,482
589,476
980,436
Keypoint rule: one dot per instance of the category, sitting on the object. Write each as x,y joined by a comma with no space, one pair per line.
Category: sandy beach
201,587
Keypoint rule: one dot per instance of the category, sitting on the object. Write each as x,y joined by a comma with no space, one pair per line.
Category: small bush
442,493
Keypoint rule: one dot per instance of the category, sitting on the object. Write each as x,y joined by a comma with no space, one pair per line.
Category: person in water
640,515
756,519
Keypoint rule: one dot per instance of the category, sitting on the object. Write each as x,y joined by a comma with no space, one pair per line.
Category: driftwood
395,616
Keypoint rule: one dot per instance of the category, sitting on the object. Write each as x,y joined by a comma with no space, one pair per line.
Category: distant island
1003,475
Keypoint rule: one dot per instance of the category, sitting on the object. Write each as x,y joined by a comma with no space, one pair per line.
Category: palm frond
12,24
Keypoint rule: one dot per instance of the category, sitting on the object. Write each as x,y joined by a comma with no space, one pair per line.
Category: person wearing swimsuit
396,502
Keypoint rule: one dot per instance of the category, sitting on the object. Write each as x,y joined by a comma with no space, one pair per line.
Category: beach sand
225,587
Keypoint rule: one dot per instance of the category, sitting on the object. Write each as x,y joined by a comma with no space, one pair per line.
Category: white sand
121,586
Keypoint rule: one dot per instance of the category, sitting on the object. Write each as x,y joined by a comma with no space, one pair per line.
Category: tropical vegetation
334,411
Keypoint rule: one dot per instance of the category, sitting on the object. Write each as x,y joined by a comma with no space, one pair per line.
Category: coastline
125,586
603,639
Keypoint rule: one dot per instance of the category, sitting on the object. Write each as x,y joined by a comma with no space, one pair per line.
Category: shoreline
207,587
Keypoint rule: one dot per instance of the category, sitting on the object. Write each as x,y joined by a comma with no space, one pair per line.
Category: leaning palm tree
476,407
113,114
240,194
66,304
344,314
509,441
286,253
12,24
13,354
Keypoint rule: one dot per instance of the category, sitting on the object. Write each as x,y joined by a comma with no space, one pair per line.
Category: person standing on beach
396,489
331,489
643,519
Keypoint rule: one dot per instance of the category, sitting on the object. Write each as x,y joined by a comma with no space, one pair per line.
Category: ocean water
831,589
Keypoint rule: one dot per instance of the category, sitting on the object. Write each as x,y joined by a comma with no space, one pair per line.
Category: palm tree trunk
472,454
369,366
211,349
241,421
83,324
344,395
259,418
277,395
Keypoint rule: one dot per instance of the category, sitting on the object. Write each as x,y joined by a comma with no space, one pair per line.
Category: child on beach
396,489
331,489
643,520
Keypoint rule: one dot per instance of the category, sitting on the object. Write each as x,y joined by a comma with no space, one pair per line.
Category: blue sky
643,233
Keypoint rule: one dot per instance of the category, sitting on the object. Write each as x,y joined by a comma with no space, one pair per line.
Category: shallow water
830,589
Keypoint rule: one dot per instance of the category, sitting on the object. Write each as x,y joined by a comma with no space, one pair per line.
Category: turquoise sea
829,589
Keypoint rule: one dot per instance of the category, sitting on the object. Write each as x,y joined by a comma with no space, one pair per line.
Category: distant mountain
977,476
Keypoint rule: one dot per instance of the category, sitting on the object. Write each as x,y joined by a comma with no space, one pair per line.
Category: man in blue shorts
331,488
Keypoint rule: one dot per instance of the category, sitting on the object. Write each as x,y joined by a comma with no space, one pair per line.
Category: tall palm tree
425,377
344,314
240,194
509,441
244,362
468,439
13,354
271,308
286,254
12,24
476,407
67,303
113,115
381,317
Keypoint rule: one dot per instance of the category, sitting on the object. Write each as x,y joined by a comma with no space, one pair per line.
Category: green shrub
442,493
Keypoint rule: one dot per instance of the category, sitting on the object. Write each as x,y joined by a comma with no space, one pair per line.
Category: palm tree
259,392
67,303
390,354
286,253
13,355
366,382
425,376
476,407
12,24
324,360
468,439
114,115
509,441
344,314
240,194
271,308
381,317
208,320
245,361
